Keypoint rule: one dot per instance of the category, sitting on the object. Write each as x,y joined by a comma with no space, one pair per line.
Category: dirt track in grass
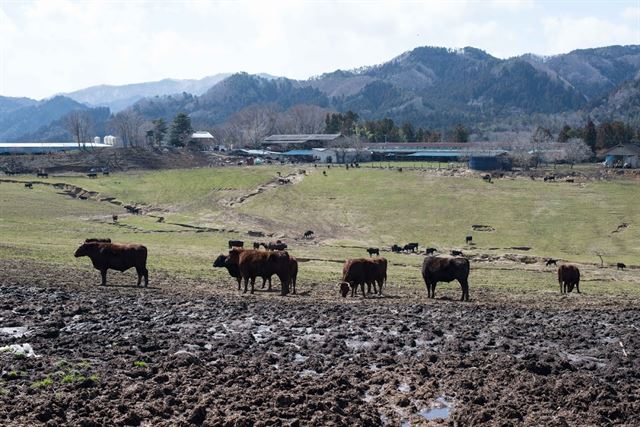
186,351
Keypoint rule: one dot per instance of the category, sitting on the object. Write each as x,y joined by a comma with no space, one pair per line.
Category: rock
198,415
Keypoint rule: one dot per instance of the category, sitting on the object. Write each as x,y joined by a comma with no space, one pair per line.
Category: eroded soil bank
178,353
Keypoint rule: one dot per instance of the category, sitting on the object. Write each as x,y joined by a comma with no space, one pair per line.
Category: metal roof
457,153
298,153
202,135
624,150
300,138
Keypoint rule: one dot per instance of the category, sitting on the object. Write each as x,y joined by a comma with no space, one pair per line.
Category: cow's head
83,250
220,261
344,289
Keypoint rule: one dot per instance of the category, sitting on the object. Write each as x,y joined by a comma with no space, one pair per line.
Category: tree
78,124
460,134
590,134
408,133
576,151
341,123
565,133
127,125
159,131
181,130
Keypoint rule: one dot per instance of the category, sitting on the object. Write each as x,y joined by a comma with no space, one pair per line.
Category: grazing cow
92,175
445,269
29,185
621,266
115,256
456,253
42,175
105,172
399,169
373,251
363,271
396,248
234,269
324,173
486,178
94,240
570,180
284,181
236,244
114,217
308,234
132,209
430,251
568,277
160,219
277,246
468,239
254,264
551,261
256,245
549,178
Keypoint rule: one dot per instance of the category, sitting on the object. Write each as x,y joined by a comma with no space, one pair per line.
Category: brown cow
116,256
363,270
253,263
380,276
445,269
568,277
234,269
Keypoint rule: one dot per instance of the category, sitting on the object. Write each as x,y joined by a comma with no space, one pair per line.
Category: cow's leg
354,289
253,282
246,284
375,287
465,290
269,283
362,289
140,273
146,277
103,273
239,281
293,285
578,287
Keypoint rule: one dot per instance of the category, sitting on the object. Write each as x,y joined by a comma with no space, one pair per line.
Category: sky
56,46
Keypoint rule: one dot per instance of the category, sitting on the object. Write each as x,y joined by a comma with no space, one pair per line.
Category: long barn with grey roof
301,141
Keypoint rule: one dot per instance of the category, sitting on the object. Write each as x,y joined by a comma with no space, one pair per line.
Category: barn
623,156
301,141
45,147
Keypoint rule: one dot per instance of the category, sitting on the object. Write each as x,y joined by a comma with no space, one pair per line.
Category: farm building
623,155
44,147
203,138
301,141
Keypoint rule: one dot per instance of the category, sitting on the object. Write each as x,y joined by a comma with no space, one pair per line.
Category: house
204,139
284,143
623,155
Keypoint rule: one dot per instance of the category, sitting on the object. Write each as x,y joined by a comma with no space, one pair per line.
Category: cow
42,175
114,217
256,245
277,246
551,261
396,248
413,247
324,173
568,277
308,234
253,263
121,257
456,253
235,244
549,178
29,185
430,251
486,177
445,269
234,270
373,251
92,175
621,266
468,239
132,209
363,271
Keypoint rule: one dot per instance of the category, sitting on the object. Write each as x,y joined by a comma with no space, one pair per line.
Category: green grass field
349,210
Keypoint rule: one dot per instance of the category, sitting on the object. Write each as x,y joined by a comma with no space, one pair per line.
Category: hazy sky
52,46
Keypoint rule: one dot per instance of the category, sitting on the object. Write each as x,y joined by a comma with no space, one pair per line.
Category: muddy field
193,352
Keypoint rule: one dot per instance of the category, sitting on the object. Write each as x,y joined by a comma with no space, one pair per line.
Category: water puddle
23,349
440,408
15,331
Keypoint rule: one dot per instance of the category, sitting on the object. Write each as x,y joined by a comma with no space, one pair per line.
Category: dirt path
186,352
290,179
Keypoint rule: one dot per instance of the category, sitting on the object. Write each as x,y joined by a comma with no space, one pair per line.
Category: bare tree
577,151
127,125
251,125
306,119
78,124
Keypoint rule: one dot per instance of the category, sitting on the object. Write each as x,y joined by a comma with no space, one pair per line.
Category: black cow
373,251
430,251
396,248
468,239
236,244
308,234
256,245
28,185
456,253
114,218
42,175
621,266
568,277
445,269
551,261
413,247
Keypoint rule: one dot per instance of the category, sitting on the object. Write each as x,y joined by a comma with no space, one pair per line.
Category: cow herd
249,264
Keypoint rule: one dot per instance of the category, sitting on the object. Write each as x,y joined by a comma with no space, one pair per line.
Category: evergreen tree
460,134
408,133
181,130
159,131
589,135
565,134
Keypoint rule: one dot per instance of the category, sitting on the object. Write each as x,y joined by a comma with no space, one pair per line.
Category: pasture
190,349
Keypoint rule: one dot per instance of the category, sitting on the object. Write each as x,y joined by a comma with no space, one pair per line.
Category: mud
188,351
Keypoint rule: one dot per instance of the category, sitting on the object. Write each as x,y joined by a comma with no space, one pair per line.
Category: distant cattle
570,180
92,175
468,239
42,175
549,178
551,261
568,277
412,247
373,251
114,218
105,172
275,246
28,185
235,244
133,209
254,264
284,181
361,271
486,178
445,269
430,251
256,245
396,248
324,173
308,234
118,257
456,253
621,266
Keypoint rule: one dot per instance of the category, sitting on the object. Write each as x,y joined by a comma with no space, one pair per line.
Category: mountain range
428,86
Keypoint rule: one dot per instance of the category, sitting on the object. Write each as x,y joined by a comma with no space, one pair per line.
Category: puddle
24,349
15,331
439,409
